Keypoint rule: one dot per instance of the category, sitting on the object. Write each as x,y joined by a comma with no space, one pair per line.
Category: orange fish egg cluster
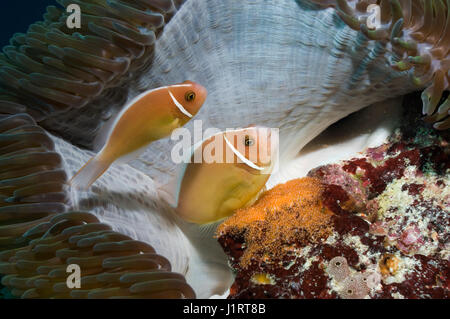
288,213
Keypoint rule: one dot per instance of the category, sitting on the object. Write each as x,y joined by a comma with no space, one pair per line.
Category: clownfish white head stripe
179,106
242,157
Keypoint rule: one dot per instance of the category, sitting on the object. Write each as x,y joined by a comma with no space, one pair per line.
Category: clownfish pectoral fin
209,230
200,231
89,173
176,123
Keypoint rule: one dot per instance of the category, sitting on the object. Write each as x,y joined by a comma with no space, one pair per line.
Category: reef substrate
375,226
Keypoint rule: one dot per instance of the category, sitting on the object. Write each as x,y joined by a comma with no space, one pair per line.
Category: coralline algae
390,227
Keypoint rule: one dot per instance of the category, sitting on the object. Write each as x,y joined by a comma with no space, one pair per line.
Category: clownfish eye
248,141
190,96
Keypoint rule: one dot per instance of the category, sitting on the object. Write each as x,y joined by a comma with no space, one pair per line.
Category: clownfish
233,169
149,117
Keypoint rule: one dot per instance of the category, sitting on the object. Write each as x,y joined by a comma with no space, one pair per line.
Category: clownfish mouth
242,157
179,106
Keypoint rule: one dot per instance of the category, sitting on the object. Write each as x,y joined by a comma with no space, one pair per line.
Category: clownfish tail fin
89,173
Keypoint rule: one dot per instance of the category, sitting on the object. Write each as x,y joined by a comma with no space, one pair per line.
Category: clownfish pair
149,117
205,191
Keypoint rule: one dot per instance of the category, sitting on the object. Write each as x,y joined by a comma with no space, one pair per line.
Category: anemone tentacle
31,178
72,82
40,236
52,70
418,34
113,265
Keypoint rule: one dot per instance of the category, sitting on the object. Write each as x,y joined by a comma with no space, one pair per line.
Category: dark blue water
17,15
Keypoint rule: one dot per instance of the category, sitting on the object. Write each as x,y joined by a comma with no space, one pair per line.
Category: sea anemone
112,264
52,70
39,238
31,178
417,33
71,82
